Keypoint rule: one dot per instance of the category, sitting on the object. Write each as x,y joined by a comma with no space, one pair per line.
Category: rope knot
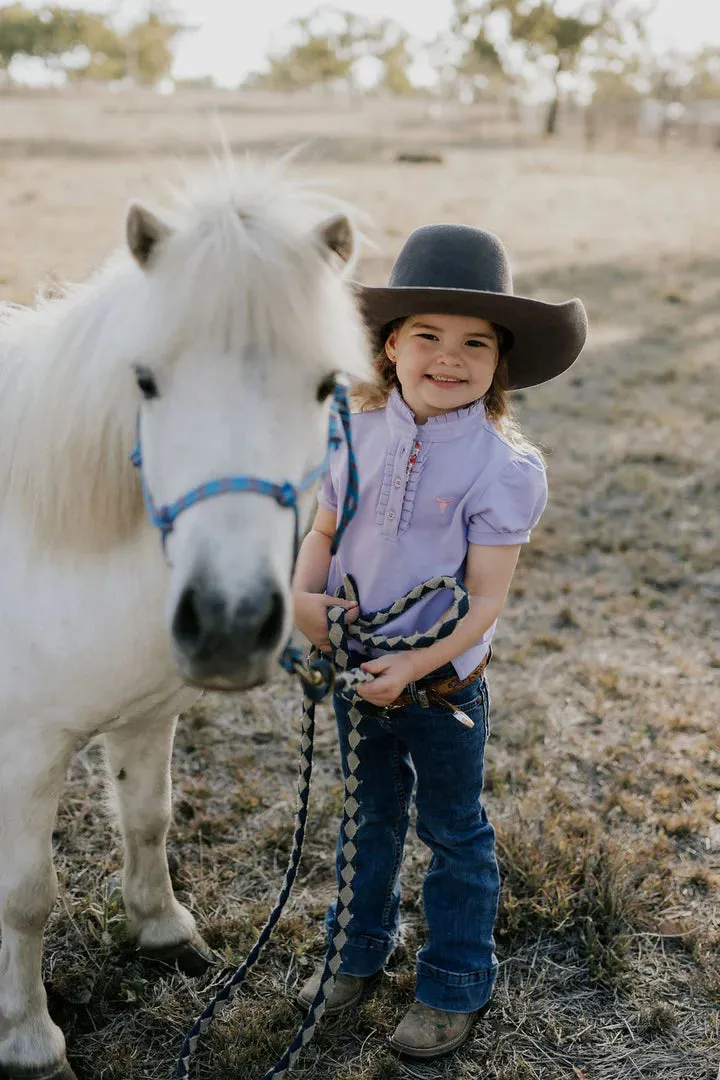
165,519
286,494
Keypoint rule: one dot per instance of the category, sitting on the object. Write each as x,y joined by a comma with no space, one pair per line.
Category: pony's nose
216,638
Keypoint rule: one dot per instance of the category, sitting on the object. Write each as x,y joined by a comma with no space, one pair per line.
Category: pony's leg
138,757
32,771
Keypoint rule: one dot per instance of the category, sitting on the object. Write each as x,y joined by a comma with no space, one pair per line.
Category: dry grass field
603,770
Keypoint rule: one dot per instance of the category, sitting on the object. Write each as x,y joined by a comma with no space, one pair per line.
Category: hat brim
548,338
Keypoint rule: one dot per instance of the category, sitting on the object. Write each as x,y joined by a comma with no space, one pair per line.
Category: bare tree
558,43
43,33
327,46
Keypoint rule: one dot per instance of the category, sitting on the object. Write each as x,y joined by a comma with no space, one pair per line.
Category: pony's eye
326,388
146,382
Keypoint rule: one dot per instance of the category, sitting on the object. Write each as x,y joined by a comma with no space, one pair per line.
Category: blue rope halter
285,494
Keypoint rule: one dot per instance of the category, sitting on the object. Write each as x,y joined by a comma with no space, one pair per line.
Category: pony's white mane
67,395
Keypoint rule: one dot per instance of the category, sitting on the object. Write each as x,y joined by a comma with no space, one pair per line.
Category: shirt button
391,515
397,482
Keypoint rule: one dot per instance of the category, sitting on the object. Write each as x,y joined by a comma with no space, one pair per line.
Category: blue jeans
428,750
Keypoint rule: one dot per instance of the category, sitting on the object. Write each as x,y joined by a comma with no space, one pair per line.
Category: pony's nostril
187,627
206,636
271,627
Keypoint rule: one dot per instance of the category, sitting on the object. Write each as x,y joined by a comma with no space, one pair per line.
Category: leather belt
438,689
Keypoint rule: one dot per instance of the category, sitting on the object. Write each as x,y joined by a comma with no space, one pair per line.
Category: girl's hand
311,615
392,674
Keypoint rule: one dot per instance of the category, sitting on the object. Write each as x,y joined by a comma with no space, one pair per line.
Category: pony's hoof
192,957
59,1071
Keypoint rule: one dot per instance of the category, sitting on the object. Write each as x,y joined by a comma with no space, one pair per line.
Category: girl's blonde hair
368,396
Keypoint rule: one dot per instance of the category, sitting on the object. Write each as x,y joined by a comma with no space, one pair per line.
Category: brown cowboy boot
426,1033
348,991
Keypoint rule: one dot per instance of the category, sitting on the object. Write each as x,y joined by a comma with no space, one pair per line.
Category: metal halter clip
318,679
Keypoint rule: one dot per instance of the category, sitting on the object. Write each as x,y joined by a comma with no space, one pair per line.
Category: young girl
448,486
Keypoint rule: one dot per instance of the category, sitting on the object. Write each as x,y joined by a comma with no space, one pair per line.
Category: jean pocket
470,697
472,700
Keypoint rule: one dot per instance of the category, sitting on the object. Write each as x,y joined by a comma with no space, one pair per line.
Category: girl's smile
445,380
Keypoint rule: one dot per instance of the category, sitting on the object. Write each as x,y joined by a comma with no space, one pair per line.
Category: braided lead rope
345,682
419,640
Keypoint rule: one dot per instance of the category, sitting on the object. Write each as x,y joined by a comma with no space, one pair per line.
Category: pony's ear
337,235
144,231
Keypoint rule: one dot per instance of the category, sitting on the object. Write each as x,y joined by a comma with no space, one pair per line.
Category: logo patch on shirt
444,503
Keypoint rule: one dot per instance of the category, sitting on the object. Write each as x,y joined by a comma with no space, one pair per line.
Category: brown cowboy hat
460,270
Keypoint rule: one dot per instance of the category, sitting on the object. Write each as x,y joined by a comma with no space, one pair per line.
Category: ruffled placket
408,448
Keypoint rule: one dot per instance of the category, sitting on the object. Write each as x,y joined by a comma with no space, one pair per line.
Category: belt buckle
418,695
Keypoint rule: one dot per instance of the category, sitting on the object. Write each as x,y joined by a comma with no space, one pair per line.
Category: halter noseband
285,494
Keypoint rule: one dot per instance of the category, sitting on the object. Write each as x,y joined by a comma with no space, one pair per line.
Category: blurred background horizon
524,51
222,43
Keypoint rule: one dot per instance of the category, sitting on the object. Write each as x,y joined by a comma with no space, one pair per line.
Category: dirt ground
603,769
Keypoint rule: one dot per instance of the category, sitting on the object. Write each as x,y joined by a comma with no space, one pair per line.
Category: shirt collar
449,425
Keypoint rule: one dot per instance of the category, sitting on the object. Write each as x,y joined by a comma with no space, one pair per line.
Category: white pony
223,325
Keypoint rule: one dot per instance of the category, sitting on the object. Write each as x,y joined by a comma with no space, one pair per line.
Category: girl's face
443,361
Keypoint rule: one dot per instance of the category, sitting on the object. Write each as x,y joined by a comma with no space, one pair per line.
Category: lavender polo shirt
466,486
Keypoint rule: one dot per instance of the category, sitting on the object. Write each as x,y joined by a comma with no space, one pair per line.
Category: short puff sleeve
511,505
327,496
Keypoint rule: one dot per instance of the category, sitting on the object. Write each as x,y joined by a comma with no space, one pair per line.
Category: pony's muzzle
227,646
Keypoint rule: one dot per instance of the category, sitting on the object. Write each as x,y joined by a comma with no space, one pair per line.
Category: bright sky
233,36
